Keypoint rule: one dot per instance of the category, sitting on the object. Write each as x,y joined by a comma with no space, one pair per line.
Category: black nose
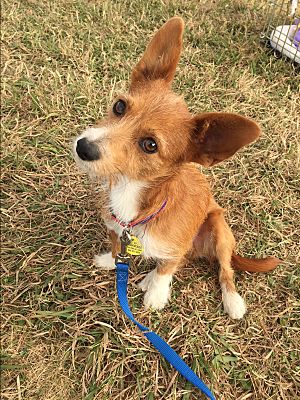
86,150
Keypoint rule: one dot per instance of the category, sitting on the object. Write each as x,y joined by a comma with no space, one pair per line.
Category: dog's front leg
157,283
107,260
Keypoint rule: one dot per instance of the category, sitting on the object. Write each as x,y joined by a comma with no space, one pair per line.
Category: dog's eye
148,145
119,108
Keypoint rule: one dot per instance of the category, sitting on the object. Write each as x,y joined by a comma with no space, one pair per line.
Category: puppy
147,151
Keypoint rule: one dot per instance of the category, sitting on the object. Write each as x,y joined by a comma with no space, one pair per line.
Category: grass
63,334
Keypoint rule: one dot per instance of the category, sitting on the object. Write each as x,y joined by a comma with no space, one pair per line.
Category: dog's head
149,132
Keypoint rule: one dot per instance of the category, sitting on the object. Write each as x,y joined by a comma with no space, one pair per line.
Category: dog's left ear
217,136
161,56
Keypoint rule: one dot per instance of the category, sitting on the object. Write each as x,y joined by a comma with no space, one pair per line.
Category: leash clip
123,256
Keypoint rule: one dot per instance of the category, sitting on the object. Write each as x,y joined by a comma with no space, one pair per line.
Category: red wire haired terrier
147,151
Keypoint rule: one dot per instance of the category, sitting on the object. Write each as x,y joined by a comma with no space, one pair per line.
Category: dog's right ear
161,56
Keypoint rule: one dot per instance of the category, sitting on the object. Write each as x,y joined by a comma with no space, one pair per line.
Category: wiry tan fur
192,224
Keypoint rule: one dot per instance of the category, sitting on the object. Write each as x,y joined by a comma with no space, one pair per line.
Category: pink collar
143,221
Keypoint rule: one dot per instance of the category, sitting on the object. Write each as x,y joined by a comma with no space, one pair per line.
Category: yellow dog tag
135,247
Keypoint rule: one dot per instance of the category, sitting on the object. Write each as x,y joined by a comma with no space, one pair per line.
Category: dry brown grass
63,334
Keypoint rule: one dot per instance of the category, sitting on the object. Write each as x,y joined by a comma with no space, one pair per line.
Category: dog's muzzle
87,151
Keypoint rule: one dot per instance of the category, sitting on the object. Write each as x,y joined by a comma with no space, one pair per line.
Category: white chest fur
124,201
125,197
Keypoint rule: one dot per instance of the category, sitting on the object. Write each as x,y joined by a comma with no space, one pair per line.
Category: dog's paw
105,261
157,288
155,300
234,305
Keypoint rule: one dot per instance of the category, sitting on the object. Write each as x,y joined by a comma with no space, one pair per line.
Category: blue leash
161,346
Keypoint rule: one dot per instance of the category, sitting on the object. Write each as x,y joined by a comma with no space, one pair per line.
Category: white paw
105,261
157,288
234,305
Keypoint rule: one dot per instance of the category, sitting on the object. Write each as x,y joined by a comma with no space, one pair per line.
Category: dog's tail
254,265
